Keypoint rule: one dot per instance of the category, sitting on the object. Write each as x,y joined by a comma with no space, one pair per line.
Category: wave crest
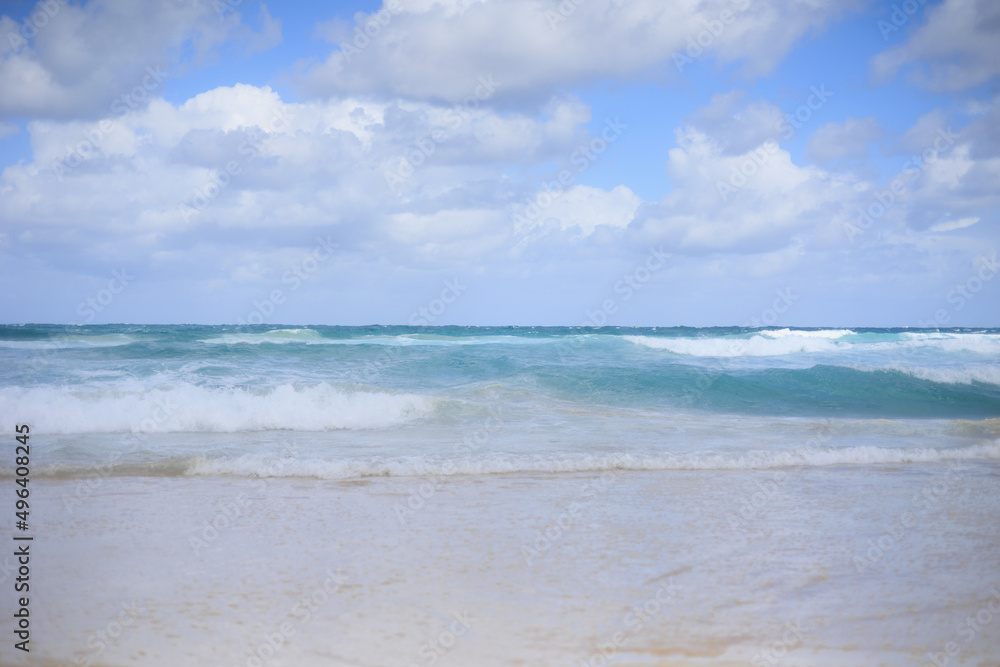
755,346
183,407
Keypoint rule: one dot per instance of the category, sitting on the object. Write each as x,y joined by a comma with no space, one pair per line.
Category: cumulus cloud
922,133
983,129
847,140
956,49
735,126
68,61
584,208
168,178
755,202
438,50
169,183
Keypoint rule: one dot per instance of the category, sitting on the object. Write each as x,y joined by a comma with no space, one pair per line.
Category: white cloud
847,140
954,224
438,50
584,208
922,134
982,131
169,176
85,57
738,130
321,171
753,202
956,49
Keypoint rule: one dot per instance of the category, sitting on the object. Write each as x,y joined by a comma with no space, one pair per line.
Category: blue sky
628,162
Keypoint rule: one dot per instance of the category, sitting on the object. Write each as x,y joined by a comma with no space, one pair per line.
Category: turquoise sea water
357,401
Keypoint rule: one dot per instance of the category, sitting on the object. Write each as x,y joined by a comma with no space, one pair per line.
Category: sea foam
755,346
258,465
183,407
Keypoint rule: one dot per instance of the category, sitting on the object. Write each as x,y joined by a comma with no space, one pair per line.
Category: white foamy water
312,337
755,346
182,407
67,342
493,464
987,374
987,344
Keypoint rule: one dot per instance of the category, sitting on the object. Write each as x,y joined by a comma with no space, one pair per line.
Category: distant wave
253,465
759,345
952,342
822,333
945,375
311,337
67,342
275,336
787,342
183,407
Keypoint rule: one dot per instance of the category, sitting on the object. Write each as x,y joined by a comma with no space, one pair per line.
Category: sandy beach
647,568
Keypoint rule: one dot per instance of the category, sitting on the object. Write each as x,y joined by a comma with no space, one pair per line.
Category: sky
477,162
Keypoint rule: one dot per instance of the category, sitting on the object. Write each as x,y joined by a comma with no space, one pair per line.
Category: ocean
391,495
